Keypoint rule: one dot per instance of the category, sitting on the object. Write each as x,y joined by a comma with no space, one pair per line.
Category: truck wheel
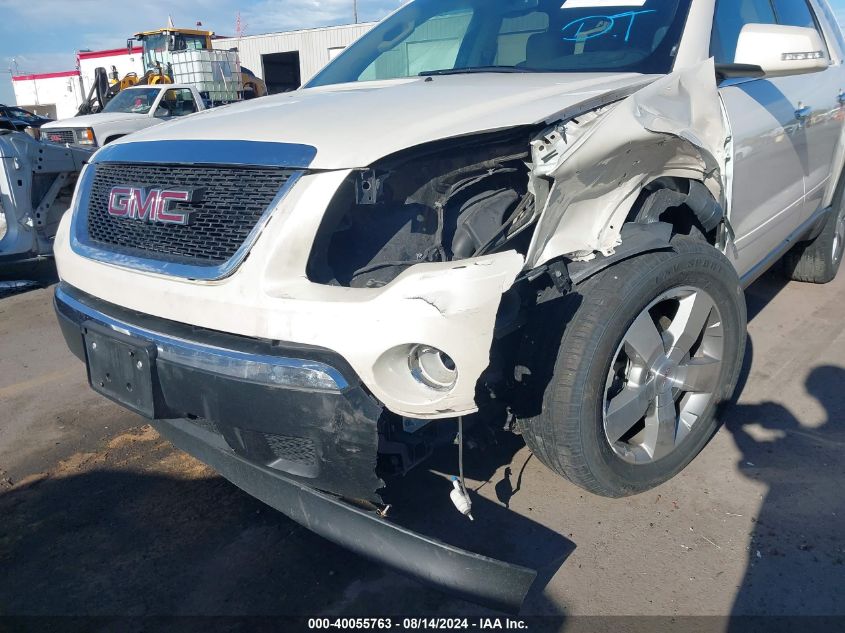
818,261
650,348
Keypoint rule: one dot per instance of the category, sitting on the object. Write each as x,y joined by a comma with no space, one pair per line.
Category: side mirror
772,50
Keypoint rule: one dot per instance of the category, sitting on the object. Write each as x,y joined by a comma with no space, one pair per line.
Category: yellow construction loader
158,48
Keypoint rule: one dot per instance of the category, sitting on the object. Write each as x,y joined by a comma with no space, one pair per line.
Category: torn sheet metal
672,127
36,185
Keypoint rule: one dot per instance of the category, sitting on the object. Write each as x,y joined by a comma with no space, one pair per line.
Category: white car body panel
416,111
451,306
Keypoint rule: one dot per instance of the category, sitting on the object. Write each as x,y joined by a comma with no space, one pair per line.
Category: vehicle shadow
761,293
422,504
17,278
796,554
131,542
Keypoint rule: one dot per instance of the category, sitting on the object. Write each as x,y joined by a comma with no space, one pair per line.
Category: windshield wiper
477,69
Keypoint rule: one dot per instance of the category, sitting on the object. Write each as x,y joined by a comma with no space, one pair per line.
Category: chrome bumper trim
274,371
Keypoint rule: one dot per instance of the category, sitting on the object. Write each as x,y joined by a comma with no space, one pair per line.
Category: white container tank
216,74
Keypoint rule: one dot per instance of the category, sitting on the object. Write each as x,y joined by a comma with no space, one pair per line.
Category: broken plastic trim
460,573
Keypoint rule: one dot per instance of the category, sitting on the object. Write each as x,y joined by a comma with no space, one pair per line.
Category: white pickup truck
131,110
538,214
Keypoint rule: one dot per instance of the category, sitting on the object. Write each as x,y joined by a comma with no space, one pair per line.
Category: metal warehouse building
285,61
59,94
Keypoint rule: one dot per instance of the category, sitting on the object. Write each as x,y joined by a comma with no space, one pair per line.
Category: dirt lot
126,525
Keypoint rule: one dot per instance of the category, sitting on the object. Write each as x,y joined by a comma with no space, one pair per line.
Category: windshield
155,51
23,115
185,42
133,101
159,47
457,36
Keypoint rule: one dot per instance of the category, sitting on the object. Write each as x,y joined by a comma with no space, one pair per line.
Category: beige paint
672,127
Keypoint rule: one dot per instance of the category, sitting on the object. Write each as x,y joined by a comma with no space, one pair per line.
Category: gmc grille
58,136
231,203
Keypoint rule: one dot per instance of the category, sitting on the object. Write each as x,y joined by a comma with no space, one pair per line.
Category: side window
794,13
178,102
731,16
831,19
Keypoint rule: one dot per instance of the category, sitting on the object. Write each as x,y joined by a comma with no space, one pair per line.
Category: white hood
354,125
91,120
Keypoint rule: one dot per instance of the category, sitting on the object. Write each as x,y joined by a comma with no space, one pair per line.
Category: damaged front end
220,398
608,179
317,371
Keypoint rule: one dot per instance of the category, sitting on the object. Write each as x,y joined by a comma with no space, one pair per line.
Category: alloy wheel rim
839,237
666,372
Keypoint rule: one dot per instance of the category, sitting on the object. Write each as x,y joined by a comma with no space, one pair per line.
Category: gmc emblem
149,205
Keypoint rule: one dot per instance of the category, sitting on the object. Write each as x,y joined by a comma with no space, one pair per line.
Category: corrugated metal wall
314,46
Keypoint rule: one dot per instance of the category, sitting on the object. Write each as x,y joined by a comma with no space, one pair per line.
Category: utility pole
355,10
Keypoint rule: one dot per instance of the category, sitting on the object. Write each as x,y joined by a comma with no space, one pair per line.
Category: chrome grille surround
233,201
58,136
287,160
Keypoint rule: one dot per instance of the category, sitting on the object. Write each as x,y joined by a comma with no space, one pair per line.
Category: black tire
567,434
818,261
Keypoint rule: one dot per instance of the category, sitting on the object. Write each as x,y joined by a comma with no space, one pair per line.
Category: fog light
432,367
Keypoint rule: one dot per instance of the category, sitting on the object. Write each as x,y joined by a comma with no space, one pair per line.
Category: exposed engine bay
434,204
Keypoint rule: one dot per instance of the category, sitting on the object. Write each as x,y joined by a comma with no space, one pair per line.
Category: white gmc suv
538,213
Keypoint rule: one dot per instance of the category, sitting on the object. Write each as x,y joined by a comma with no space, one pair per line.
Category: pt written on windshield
465,36
133,101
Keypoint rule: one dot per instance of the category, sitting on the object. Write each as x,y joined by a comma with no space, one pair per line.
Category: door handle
803,113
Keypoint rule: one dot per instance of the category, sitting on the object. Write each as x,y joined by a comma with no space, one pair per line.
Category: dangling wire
459,495
461,455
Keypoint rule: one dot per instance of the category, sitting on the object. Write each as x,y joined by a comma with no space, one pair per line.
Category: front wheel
649,349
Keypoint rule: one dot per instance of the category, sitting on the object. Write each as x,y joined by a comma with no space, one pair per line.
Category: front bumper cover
223,414
470,576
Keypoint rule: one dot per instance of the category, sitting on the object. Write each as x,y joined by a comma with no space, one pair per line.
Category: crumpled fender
672,127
